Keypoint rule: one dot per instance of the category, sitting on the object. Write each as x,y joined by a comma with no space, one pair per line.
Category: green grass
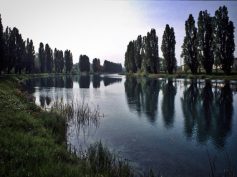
32,142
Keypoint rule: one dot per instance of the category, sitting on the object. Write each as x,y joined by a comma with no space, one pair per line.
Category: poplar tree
224,39
2,48
48,58
130,64
68,61
168,48
42,57
189,47
30,56
205,41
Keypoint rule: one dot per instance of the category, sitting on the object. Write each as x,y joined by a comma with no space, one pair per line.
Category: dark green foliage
84,63
48,58
96,65
58,61
205,41
151,51
2,48
130,64
6,59
137,52
30,56
189,46
142,54
68,61
224,40
42,57
20,51
168,49
110,67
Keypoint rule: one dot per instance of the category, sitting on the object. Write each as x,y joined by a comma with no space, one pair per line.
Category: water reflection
208,113
207,109
142,95
110,80
96,81
154,122
84,81
168,107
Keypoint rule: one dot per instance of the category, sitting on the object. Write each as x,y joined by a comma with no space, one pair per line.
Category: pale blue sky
102,28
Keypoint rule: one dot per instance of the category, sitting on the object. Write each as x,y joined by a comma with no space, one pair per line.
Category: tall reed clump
100,161
79,113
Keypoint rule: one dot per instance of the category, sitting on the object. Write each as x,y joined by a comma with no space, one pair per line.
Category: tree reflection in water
209,113
168,107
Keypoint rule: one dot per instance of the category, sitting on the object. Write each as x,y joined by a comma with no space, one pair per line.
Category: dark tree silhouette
151,52
30,56
68,61
20,53
49,58
56,61
142,54
205,41
2,48
137,52
110,67
42,57
224,39
6,58
96,65
130,64
84,63
168,48
189,47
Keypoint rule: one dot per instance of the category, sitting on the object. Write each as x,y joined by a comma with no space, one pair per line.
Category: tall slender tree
2,48
61,59
224,39
151,52
30,56
6,59
137,52
42,57
130,64
205,41
20,53
68,61
168,48
48,58
189,52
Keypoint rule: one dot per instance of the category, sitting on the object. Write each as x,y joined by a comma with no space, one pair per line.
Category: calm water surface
168,125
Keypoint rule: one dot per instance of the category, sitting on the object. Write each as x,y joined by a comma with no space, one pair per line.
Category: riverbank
220,76
32,141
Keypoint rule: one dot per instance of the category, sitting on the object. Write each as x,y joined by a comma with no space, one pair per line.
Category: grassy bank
221,76
32,142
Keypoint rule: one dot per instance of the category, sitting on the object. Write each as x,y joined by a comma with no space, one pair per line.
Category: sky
102,28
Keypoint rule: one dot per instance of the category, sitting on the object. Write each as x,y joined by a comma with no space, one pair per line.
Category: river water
173,126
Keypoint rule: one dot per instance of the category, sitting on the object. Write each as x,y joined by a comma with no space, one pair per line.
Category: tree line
207,46
108,66
18,55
